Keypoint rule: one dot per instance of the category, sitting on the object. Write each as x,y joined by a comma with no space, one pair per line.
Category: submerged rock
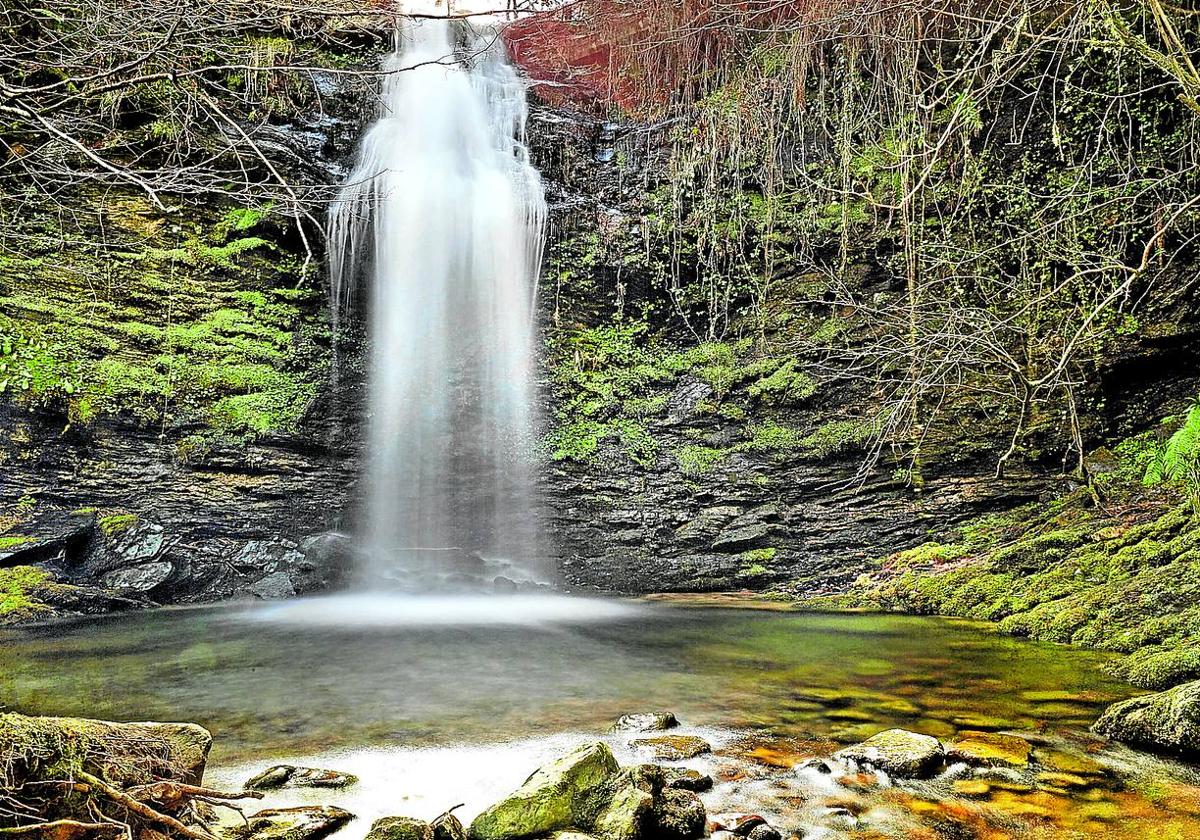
645,722
285,775
897,751
566,793
310,822
1167,720
674,747
990,749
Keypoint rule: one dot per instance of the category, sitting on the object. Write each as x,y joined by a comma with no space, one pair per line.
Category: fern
1178,461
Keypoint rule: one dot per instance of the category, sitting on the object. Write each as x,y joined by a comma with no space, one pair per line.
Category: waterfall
439,229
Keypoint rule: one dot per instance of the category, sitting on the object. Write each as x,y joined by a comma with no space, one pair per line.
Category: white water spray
441,224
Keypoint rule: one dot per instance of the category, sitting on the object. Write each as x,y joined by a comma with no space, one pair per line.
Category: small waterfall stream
439,230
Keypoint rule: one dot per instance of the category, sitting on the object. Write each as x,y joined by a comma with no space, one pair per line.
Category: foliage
187,327
18,591
1178,460
977,167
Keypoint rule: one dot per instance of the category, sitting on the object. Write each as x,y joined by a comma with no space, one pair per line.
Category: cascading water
441,225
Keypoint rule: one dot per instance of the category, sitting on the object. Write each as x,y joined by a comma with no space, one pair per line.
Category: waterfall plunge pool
460,699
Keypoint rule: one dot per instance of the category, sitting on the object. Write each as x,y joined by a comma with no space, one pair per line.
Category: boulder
674,747
897,751
400,828
285,775
686,779
1167,721
678,814
989,749
645,722
310,822
566,793
628,815
125,754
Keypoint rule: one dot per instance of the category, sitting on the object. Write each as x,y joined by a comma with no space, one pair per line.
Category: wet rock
504,585
674,747
1064,781
123,753
572,835
273,587
842,818
972,787
448,827
626,816
678,814
990,749
53,536
738,824
563,794
815,765
139,579
288,776
325,560
645,722
310,822
400,828
686,779
764,832
1167,720
897,751
733,540
707,524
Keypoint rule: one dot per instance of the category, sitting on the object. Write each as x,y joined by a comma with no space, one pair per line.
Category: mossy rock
1168,721
44,748
400,828
566,793
897,751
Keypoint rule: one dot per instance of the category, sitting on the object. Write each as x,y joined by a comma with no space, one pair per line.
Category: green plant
1178,460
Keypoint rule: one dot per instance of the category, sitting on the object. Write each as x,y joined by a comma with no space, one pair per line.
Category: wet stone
288,776
674,747
645,722
897,751
400,828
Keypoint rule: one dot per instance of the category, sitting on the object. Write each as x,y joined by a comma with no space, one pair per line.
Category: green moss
758,555
18,589
786,384
836,437
696,460
9,542
196,326
116,524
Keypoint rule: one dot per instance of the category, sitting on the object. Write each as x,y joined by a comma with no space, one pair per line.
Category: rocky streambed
647,778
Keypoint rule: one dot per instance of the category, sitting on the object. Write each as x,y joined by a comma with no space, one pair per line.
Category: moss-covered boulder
897,751
53,748
568,792
310,822
1167,720
400,828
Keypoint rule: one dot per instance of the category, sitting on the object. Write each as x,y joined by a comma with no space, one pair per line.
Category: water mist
439,229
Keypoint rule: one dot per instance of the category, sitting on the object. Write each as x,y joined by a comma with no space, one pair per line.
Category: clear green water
453,707
264,688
